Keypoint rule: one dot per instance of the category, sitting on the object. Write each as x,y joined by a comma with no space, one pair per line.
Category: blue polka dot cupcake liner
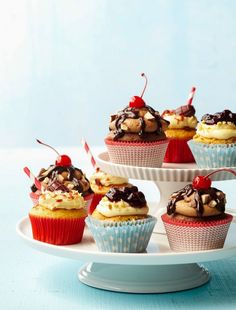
213,155
122,237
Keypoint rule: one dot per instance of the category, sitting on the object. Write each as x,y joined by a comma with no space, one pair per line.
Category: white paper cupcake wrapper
123,237
213,155
141,155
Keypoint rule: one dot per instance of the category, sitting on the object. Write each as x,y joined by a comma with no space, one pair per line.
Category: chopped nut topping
65,174
60,178
205,198
46,180
70,185
212,204
123,127
187,199
149,116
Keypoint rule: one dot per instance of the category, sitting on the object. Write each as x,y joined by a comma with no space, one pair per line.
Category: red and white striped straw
89,153
191,95
32,178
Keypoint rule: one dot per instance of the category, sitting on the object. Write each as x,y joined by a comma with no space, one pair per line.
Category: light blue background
66,65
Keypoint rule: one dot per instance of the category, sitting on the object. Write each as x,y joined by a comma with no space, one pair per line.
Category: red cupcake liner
95,202
196,236
178,151
142,154
57,231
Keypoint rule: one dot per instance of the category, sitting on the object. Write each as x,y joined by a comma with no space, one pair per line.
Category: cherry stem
40,142
223,169
143,74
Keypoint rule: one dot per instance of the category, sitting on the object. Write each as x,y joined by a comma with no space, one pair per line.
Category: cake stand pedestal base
143,279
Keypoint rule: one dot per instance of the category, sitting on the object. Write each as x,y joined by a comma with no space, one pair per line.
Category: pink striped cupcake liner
142,154
186,236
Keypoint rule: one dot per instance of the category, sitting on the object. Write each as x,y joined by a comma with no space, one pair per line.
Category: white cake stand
158,270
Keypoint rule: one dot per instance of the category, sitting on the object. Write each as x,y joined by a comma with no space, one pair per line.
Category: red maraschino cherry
62,160
203,182
136,101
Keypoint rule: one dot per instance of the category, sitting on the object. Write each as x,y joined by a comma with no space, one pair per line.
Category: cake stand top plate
167,173
158,251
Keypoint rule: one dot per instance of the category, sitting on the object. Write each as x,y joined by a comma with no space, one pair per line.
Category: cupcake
121,223
181,129
196,218
137,136
66,174
214,144
100,183
59,216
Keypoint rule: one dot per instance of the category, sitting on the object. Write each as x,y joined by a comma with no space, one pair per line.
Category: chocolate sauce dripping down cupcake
133,113
121,117
224,116
131,195
72,175
53,172
188,190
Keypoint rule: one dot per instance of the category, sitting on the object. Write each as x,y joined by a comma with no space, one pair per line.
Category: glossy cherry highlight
62,160
204,182
201,182
136,101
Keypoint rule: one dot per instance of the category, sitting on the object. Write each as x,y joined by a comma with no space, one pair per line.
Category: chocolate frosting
133,113
185,110
75,176
188,190
131,195
225,116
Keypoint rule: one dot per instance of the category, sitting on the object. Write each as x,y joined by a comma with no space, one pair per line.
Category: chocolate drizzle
74,175
121,117
224,116
133,113
188,190
131,195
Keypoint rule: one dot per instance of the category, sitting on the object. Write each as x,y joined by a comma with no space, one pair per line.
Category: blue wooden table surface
34,280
